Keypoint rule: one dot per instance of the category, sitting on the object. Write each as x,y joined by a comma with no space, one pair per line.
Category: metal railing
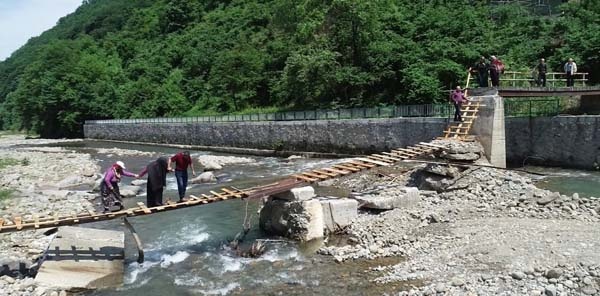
425,110
529,79
512,107
532,107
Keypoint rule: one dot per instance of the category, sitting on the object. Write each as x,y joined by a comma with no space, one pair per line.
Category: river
185,253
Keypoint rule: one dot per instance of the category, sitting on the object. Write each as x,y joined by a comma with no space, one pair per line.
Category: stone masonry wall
337,136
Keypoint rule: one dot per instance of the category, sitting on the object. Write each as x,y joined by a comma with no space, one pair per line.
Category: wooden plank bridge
18,223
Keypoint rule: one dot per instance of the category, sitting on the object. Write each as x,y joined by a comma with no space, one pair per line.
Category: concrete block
299,220
402,198
83,258
297,194
339,213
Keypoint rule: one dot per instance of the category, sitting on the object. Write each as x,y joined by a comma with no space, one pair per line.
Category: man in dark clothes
481,68
157,180
541,69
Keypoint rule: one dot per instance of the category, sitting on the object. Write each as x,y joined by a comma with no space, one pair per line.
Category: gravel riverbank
486,232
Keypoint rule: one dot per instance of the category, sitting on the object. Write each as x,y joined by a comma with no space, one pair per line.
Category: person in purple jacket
109,188
458,97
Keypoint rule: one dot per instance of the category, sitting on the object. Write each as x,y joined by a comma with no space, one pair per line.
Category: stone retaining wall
568,141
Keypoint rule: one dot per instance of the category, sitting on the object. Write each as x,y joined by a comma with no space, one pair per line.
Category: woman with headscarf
157,180
109,188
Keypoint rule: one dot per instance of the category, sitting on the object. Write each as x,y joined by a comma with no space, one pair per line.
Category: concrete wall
568,141
489,128
339,136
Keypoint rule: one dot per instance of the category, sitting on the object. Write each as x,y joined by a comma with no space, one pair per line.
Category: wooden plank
409,155
432,145
343,167
219,195
360,164
394,159
374,161
325,173
144,208
315,176
55,219
304,178
378,160
18,222
74,217
407,151
236,194
395,155
337,171
36,222
1,223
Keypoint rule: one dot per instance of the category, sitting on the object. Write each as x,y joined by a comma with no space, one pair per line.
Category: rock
139,182
465,156
339,213
209,165
7,279
518,275
299,220
294,157
442,170
548,198
129,191
553,273
440,288
69,182
54,293
550,290
589,291
62,293
408,197
588,280
296,194
206,177
568,284
458,282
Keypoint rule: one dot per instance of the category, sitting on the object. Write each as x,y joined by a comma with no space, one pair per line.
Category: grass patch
5,194
5,162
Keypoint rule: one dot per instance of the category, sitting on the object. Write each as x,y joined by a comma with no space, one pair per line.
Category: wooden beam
348,168
144,208
337,171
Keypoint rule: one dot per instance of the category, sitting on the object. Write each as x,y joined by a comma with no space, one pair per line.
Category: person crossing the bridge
182,161
481,68
496,68
109,188
458,97
157,180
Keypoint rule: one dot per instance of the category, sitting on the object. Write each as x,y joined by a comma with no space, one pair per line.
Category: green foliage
6,162
5,194
146,58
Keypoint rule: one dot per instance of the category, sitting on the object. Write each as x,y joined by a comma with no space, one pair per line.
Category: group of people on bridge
492,70
156,170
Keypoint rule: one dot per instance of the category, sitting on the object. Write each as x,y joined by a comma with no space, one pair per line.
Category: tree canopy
146,58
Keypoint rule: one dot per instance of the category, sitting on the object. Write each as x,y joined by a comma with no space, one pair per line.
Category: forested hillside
148,58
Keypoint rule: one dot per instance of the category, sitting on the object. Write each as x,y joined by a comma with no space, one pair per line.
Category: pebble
588,280
553,273
589,291
550,290
517,275
458,282
440,288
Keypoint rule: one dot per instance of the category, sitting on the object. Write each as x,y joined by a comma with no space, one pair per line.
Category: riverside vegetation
145,58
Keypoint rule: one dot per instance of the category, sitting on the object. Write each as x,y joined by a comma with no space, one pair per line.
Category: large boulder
298,220
401,198
339,213
210,165
70,181
206,177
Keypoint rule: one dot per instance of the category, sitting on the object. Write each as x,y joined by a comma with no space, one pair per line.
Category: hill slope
144,58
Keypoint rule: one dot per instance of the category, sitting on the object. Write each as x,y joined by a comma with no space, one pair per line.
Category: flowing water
185,253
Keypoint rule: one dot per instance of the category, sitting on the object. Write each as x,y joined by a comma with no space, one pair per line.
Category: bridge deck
547,91
296,180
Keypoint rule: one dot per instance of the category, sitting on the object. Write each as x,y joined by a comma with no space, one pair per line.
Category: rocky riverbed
475,231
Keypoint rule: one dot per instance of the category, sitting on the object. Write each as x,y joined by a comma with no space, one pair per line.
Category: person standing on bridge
481,68
157,180
458,98
109,188
182,161
542,70
570,70
496,68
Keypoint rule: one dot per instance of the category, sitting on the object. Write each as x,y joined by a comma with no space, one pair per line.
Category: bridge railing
529,79
533,107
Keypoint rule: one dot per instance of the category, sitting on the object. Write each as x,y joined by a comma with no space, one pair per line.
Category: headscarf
157,174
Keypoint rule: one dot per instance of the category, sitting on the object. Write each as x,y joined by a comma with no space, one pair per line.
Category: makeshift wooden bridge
33,222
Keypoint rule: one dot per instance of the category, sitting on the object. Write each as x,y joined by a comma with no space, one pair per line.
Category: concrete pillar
490,129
